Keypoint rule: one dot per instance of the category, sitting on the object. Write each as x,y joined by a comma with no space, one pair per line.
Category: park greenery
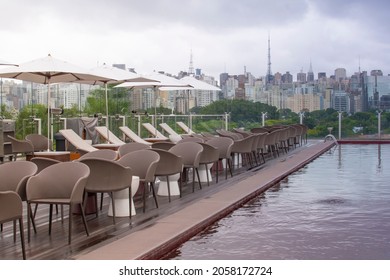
242,113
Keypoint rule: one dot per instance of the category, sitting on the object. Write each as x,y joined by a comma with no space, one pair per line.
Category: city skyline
221,37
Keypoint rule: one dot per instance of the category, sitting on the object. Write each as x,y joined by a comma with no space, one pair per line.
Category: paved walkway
167,232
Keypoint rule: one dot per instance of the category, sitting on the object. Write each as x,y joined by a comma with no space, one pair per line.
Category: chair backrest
168,164
58,181
131,147
143,163
39,142
107,175
108,135
168,129
103,154
209,154
185,128
190,152
191,139
232,135
163,145
21,146
43,162
11,207
259,130
152,130
244,145
224,145
78,142
133,136
261,142
270,138
14,176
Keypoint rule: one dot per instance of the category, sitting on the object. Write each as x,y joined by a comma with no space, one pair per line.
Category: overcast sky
224,35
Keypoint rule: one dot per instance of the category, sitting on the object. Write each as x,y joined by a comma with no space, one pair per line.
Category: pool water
336,207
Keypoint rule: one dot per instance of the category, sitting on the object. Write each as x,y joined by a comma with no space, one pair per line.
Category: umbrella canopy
48,70
112,75
162,82
198,85
5,63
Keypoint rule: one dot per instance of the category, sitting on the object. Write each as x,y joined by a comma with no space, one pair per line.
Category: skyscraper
269,78
310,74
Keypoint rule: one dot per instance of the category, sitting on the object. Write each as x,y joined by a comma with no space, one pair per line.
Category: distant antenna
191,68
269,72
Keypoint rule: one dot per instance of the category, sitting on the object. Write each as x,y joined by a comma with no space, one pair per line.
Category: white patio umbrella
48,70
3,63
114,75
198,84
162,82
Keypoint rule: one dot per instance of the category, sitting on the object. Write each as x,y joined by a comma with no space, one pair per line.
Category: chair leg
144,194
96,203
50,217
181,183
197,174
22,237
101,201
113,207
169,189
84,218
14,226
193,179
207,175
29,217
217,171
154,194
70,225
130,199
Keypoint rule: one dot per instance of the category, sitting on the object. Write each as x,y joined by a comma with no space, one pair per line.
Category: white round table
122,200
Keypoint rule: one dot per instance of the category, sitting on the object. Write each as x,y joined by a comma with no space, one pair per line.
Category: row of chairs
64,183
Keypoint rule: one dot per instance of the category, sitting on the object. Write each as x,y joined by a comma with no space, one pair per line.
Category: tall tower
269,77
310,74
191,67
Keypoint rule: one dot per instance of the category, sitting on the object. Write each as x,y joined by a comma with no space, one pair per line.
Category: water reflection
334,208
379,165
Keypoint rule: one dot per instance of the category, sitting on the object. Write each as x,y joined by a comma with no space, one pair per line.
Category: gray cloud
158,35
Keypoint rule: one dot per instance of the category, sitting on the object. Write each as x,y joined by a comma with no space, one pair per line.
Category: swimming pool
337,207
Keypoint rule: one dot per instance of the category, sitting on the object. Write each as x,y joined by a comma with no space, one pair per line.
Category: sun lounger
152,130
168,129
185,128
108,135
132,135
78,142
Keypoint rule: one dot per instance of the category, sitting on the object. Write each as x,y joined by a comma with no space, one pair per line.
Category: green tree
118,102
25,124
5,112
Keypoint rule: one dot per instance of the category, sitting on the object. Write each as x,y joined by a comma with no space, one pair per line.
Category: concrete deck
164,233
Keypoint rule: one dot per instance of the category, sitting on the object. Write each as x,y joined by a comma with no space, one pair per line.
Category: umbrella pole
108,134
48,115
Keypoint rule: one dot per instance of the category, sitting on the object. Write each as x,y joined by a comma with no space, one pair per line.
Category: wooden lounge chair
169,129
108,135
152,130
186,129
78,142
133,136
